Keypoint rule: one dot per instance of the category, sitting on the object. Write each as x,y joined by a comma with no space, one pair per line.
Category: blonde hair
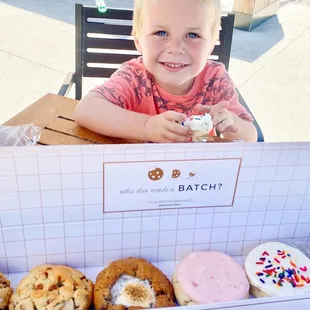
214,7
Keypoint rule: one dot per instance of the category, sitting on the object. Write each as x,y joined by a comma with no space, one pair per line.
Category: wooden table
54,113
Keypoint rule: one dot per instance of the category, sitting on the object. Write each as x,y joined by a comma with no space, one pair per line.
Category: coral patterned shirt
133,88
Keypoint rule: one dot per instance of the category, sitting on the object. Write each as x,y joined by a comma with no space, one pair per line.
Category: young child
147,98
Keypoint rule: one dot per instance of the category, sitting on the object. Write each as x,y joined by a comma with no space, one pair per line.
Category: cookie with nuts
53,287
132,283
5,291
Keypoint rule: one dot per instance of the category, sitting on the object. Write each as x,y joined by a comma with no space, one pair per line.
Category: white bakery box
86,206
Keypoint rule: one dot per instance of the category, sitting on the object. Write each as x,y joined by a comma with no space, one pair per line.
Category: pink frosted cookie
206,277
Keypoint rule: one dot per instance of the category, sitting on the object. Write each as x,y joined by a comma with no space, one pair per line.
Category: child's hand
167,128
223,120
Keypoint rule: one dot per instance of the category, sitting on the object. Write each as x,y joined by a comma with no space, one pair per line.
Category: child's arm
229,117
97,114
245,130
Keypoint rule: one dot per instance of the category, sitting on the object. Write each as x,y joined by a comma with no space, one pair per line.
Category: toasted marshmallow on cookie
200,125
130,291
132,283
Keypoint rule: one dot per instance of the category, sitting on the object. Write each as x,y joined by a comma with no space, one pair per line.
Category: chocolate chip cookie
156,174
132,283
176,173
53,287
5,291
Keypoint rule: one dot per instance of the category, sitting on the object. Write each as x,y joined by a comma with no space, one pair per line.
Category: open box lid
51,207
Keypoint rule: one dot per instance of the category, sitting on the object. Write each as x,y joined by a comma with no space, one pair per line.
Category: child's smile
174,67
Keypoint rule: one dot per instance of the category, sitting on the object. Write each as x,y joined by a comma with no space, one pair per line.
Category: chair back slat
103,39
109,43
106,28
98,72
102,58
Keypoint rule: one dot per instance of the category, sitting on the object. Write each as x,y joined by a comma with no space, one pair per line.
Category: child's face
175,41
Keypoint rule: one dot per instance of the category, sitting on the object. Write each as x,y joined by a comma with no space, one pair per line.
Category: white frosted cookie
200,125
206,277
277,269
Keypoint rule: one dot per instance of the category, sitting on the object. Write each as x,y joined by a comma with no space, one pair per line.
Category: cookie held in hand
52,287
132,283
5,292
200,125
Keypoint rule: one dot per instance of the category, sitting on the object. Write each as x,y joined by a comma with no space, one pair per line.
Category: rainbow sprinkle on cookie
275,268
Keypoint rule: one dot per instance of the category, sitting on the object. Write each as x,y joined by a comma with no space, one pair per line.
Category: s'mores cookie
132,283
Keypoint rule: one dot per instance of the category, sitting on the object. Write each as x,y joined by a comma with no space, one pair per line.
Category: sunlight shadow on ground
249,46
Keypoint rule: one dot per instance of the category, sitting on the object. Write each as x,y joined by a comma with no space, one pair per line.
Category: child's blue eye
161,33
193,35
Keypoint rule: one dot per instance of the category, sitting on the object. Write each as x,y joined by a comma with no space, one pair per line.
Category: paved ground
270,65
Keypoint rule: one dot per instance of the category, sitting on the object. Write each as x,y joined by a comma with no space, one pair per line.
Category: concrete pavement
269,64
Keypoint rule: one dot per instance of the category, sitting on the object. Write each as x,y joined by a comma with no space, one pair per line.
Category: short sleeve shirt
133,88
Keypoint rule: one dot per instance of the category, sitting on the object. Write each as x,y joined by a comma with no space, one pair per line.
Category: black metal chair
103,41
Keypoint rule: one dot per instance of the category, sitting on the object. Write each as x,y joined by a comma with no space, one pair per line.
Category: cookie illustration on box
192,175
155,174
207,277
132,283
53,287
277,269
5,291
175,174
